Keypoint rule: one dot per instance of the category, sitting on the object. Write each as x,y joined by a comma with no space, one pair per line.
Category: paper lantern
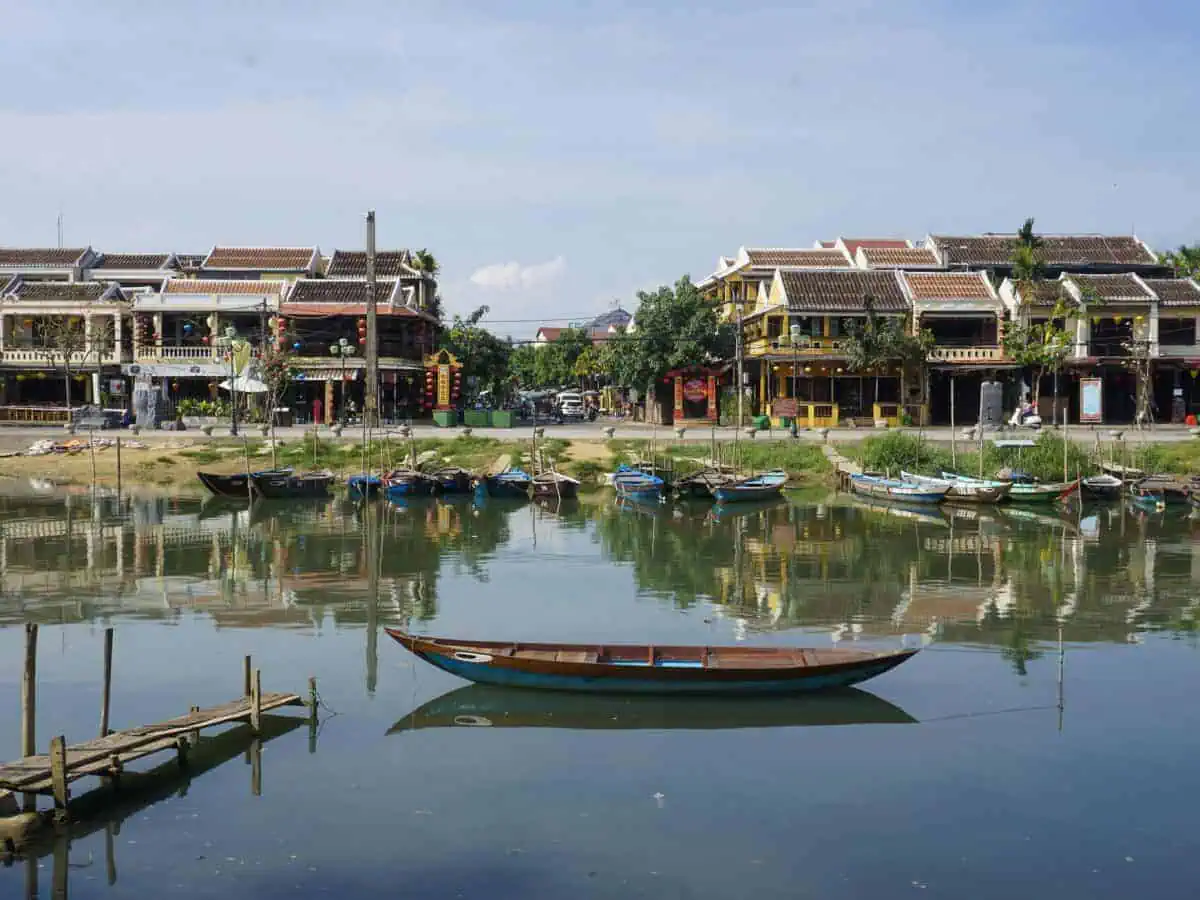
1194,372
296,346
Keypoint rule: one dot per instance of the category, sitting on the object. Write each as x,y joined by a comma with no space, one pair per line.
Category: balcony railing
1107,348
967,354
1177,351
817,346
37,356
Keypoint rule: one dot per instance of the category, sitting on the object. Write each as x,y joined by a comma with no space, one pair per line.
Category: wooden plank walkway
107,755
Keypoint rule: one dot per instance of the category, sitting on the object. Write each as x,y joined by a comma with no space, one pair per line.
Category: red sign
785,408
695,390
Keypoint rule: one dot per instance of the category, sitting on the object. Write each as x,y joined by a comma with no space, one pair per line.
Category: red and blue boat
652,669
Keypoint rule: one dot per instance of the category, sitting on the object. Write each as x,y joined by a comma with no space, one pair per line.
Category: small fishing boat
509,483
453,480
1126,474
702,485
1160,489
236,486
555,484
487,706
1102,487
409,483
288,486
632,483
1042,491
759,487
900,491
962,489
649,669
360,486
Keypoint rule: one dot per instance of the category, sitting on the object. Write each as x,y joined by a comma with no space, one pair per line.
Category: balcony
976,355
42,357
783,346
190,353
1102,349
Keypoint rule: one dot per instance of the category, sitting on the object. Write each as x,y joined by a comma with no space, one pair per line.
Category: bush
891,452
190,406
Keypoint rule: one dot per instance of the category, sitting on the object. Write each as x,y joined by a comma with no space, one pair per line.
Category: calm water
969,771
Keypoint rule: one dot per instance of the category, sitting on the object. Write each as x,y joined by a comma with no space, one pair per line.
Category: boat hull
409,485
361,486
897,493
566,488
457,481
288,487
961,491
507,487
1041,493
484,663
236,486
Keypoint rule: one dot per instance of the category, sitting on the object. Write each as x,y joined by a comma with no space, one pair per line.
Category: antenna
60,228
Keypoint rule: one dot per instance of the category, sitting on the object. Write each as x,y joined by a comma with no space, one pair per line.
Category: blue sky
558,156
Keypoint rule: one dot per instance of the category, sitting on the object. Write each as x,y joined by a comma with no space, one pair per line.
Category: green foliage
190,406
1028,265
674,328
484,357
895,451
424,261
1185,261
882,340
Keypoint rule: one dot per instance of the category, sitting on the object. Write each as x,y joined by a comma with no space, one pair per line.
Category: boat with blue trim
512,482
630,482
651,669
759,487
360,486
408,483
900,491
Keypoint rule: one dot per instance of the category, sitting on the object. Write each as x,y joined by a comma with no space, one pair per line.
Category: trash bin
762,423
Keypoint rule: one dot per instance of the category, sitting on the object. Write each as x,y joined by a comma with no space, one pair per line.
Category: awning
244,384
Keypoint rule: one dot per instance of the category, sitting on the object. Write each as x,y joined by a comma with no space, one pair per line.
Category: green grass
802,460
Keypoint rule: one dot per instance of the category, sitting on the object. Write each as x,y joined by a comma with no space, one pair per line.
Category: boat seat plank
576,656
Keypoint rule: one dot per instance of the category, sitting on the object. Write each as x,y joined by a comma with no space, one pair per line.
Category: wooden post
110,854
118,468
312,715
246,683
1066,475
58,775
29,704
256,767
106,697
256,703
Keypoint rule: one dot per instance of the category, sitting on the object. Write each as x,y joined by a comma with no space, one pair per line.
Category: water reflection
484,706
1005,577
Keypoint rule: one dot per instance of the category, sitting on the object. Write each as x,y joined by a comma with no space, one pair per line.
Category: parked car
570,405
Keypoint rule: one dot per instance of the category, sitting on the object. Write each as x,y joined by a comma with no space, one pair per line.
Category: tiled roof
819,259
618,317
339,290
1057,250
852,244
190,260
1111,287
132,261
217,286
550,334
41,257
60,291
842,291
274,259
1043,293
388,264
1175,291
898,257
947,286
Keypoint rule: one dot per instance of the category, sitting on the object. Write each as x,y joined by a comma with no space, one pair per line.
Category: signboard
176,370
443,386
712,398
695,390
1091,400
785,408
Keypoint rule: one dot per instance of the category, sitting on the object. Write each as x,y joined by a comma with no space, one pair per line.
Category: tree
556,360
484,357
673,328
424,261
1042,346
522,365
880,340
275,364
64,342
1185,261
1028,266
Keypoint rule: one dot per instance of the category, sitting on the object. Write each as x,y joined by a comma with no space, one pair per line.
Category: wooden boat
632,483
702,485
487,706
555,484
901,491
1161,489
509,483
1126,474
360,486
235,486
648,669
760,487
1042,491
288,486
1102,487
453,480
408,483
961,489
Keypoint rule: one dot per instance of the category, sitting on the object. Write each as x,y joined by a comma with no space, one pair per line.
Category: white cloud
510,275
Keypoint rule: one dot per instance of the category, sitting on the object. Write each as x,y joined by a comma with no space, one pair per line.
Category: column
1082,335
158,330
89,336
95,387
1152,331
3,331
116,331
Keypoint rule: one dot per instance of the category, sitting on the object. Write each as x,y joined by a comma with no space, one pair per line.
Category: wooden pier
108,755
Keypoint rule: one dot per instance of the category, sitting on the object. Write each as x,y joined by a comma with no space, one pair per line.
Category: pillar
158,329
3,331
117,337
96,396
329,401
1082,335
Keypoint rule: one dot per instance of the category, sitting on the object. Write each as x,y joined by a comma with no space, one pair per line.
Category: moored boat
702,485
632,483
237,485
962,489
361,486
288,486
509,483
555,484
1161,489
408,483
1102,487
1042,491
453,480
901,491
759,487
649,669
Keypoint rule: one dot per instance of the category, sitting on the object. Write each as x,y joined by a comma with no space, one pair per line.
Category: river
1043,744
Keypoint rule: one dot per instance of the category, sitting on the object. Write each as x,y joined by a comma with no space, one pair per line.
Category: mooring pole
106,699
58,775
29,704
256,703
246,676
118,468
110,855
256,767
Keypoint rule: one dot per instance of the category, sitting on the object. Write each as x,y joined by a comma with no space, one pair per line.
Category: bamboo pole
106,696
29,704
118,468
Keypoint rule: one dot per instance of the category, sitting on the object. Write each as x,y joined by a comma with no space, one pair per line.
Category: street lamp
342,349
226,340
795,332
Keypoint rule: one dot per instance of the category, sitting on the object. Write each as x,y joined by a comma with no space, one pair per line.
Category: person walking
317,407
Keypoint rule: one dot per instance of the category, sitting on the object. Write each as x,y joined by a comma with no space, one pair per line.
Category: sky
560,156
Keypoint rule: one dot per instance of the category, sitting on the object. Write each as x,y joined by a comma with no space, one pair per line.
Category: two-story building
734,286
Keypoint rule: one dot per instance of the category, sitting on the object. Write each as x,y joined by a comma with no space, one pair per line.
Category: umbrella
244,384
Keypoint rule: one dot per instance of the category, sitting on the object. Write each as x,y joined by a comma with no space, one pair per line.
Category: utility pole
371,385
741,387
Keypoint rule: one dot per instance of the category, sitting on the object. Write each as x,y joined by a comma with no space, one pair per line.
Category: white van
570,403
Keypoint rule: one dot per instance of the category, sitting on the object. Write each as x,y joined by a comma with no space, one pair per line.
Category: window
1177,332
774,327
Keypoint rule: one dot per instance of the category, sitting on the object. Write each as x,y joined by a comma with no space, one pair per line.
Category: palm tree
1185,261
424,261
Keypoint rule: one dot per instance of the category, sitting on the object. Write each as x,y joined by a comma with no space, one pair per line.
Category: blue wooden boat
509,483
760,487
408,483
900,491
650,669
360,486
453,480
634,483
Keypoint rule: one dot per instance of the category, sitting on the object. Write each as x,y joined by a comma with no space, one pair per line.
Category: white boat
901,491
962,489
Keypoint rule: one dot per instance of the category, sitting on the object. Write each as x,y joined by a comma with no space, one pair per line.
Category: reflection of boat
215,507
723,512
920,512
509,483
554,484
482,705
364,485
236,486
408,483
286,486
648,669
902,491
1101,487
962,490
760,487
559,505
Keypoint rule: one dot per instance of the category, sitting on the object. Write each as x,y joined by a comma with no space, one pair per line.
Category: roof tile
1175,291
339,290
799,258
1057,250
274,259
852,244
388,264
132,261
898,257
219,286
842,291
40,257
1112,287
59,291
947,286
